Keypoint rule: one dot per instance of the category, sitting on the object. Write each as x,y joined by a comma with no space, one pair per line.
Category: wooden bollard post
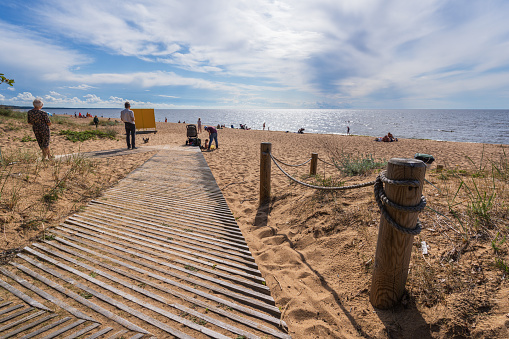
314,164
394,248
265,163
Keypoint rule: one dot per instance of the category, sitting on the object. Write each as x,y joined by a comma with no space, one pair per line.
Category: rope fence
405,199
325,188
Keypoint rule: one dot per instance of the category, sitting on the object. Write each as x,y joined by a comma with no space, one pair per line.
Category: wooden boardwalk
159,255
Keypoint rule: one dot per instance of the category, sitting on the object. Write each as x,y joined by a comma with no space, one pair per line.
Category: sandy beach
316,250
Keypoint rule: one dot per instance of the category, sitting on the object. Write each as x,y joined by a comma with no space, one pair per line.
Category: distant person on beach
347,130
40,125
212,136
96,121
127,116
199,125
301,131
264,126
165,119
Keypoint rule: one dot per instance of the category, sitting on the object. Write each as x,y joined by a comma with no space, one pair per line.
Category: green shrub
81,136
351,165
27,138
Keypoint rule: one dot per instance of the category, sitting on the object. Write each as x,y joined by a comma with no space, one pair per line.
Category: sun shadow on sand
394,320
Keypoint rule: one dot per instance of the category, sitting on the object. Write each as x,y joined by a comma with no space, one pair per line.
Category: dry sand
315,250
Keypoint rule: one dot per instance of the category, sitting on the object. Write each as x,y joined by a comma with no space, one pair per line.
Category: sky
256,53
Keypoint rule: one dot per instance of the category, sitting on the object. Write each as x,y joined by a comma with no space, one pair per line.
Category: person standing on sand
212,136
264,126
96,121
127,116
199,125
40,125
347,130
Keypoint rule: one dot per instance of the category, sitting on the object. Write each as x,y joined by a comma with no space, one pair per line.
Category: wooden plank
47,296
170,216
5,304
20,321
84,331
233,305
80,299
215,266
220,232
117,335
216,322
215,236
28,326
101,332
23,296
46,328
17,314
190,202
239,281
147,293
84,234
126,295
145,198
80,232
137,336
267,305
104,230
64,329
10,309
175,293
183,237
99,295
174,209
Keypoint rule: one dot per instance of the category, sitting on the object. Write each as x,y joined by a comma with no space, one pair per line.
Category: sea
462,125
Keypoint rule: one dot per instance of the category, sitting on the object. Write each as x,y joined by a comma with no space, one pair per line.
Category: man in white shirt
127,116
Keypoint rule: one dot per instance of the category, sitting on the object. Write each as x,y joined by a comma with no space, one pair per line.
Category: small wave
446,130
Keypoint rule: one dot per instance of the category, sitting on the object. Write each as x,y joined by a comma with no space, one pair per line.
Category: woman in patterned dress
40,124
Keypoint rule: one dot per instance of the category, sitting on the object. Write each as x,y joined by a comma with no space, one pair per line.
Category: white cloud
34,56
83,87
327,50
168,96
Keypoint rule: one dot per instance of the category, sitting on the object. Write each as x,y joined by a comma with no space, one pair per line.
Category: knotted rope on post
382,200
342,188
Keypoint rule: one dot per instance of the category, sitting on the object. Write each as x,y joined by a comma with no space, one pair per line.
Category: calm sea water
481,126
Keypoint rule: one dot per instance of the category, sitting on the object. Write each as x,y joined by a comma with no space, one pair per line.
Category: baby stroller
192,136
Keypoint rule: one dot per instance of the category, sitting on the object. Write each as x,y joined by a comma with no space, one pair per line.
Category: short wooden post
394,248
314,164
265,162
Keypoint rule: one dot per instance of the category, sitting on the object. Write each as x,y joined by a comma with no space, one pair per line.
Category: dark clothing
130,134
96,121
211,129
213,136
40,120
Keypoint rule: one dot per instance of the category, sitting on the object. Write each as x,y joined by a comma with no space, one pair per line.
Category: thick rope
325,188
305,162
380,197
382,200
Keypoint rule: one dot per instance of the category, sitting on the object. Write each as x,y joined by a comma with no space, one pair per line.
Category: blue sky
256,54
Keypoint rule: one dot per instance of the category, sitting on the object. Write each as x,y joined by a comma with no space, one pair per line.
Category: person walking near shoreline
127,116
199,125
